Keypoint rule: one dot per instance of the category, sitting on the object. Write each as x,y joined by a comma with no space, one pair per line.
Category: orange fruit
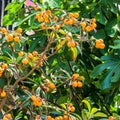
29,55
88,28
4,66
3,30
83,24
52,86
8,116
20,54
93,20
34,53
75,76
3,93
74,84
55,18
71,44
17,39
4,118
102,46
33,97
79,84
67,38
111,118
56,27
10,37
48,12
48,118
76,15
37,117
36,8
43,26
40,19
25,61
46,18
72,109
70,14
19,30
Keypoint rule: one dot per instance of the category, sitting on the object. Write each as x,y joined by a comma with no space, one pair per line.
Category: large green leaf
107,72
111,28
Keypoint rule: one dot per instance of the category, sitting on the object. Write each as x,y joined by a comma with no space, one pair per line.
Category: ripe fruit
17,39
75,76
20,54
3,30
30,55
99,44
111,118
9,116
48,118
70,14
36,8
71,44
67,38
36,100
56,27
93,20
83,24
9,37
1,71
74,84
19,30
51,85
25,61
76,15
48,12
3,93
46,18
34,53
88,28
33,97
79,84
4,66
72,109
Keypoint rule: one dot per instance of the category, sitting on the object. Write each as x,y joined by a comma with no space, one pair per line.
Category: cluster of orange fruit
77,80
70,42
65,117
3,67
71,18
48,86
7,117
32,57
43,16
2,93
37,101
16,36
99,44
88,26
71,108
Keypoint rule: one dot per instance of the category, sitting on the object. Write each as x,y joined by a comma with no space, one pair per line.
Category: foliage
61,61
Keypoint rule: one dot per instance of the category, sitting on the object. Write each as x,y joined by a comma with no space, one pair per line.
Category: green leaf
26,18
74,53
94,110
116,44
84,115
2,82
87,104
111,28
99,114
